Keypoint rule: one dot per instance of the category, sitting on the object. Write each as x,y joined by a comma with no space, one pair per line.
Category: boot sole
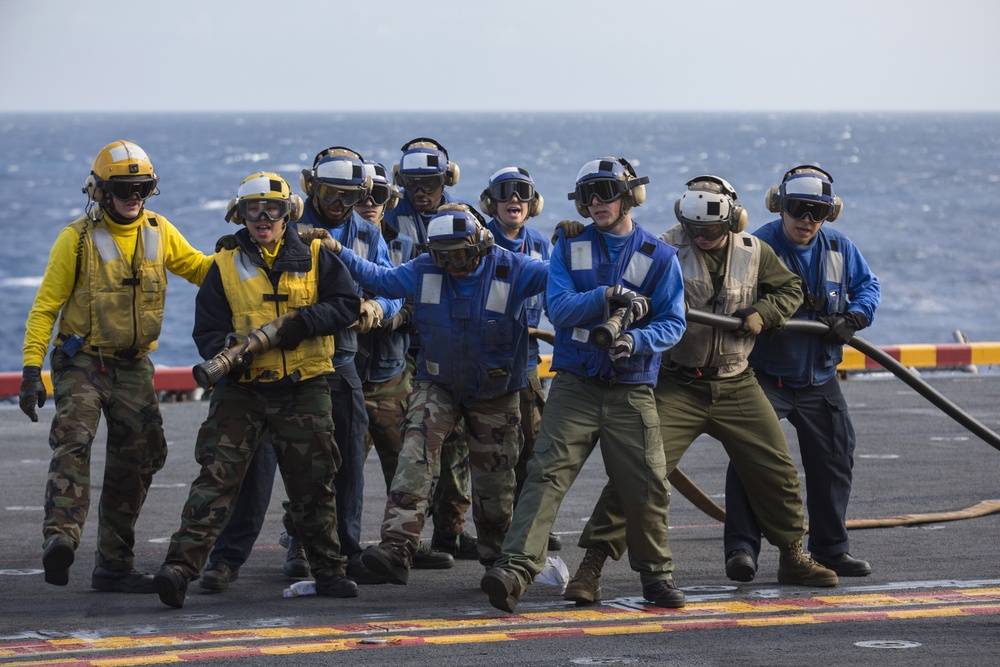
582,597
816,582
56,562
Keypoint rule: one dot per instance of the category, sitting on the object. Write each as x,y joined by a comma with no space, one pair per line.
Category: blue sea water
921,191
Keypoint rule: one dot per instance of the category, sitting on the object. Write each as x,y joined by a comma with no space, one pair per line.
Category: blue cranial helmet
504,184
608,179
426,161
805,190
457,235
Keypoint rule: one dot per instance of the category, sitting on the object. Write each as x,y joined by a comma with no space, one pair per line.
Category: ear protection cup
772,200
231,211
581,209
306,182
536,205
452,174
636,195
486,203
92,189
296,207
740,218
396,180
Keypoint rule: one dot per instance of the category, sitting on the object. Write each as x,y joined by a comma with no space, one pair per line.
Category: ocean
921,191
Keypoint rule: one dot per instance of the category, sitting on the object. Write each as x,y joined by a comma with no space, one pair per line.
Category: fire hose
702,501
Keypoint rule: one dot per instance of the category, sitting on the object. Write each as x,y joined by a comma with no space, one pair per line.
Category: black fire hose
899,370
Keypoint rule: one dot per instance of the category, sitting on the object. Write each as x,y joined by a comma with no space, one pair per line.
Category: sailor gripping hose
239,350
899,370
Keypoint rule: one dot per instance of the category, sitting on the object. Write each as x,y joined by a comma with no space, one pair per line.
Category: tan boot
585,586
795,567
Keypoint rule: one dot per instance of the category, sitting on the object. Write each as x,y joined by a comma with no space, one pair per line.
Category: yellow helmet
267,186
123,169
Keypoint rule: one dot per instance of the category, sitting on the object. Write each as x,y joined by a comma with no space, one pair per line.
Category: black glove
227,242
570,228
637,305
32,391
291,333
236,374
401,320
843,327
751,325
622,348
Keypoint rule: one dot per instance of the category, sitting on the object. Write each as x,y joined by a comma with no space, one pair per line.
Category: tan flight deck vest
703,346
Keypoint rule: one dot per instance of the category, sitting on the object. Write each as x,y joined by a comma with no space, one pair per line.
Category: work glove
751,325
227,242
636,304
370,316
291,333
571,229
32,391
843,327
622,348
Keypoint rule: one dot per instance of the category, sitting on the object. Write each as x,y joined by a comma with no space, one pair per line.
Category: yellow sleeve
181,258
56,288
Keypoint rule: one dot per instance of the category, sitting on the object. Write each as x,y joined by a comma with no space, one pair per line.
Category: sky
513,55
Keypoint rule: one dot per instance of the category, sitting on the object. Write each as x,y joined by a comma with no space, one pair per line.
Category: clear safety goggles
799,208
379,194
427,184
253,210
605,189
710,232
456,257
504,190
126,189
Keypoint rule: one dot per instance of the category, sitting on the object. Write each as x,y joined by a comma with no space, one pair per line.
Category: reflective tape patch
498,297
637,269
430,288
581,257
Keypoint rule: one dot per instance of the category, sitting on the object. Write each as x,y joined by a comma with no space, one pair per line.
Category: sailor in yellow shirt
106,283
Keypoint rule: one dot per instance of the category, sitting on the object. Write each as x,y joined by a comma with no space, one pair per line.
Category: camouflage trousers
451,498
301,427
493,434
85,386
386,405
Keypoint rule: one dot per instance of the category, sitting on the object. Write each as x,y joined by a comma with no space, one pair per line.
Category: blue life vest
800,358
641,264
475,346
